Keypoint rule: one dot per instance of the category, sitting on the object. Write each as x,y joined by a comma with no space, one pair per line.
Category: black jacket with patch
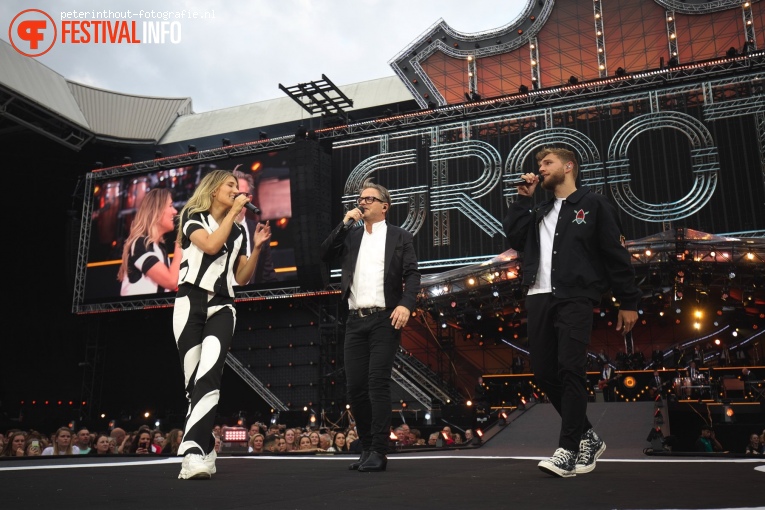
588,256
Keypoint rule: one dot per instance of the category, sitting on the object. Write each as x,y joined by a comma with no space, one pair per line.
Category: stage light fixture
301,132
225,142
467,96
523,89
98,164
475,96
192,148
263,135
127,160
573,80
732,52
157,154
620,72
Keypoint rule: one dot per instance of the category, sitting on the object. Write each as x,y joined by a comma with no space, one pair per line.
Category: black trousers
559,333
370,347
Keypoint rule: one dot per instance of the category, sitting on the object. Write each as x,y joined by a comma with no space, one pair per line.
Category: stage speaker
311,195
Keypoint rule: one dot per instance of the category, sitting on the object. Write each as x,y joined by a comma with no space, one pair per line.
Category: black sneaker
562,463
591,447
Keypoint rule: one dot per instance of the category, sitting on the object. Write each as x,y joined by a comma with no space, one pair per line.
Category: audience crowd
262,440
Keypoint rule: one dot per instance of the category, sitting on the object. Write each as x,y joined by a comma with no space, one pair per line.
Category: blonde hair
202,198
565,155
145,223
68,451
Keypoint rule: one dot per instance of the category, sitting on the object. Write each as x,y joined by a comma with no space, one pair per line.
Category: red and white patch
580,214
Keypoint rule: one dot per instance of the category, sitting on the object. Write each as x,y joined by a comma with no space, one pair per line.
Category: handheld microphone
350,222
249,205
522,182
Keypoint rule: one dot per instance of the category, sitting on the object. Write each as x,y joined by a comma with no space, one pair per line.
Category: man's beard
550,181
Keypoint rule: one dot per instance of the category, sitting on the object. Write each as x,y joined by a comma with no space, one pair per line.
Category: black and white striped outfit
203,324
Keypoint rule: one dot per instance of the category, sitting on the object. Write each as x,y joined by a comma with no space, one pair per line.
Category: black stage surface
502,473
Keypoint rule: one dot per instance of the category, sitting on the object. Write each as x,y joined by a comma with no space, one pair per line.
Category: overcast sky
250,47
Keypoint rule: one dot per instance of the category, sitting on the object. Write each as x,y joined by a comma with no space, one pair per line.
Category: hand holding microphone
353,216
249,205
527,183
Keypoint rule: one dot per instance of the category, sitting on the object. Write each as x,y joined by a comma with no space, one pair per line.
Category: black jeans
370,348
559,333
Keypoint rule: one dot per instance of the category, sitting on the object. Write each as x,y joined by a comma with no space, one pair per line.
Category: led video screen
123,203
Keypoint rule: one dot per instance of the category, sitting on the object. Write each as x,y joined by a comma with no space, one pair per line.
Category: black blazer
402,276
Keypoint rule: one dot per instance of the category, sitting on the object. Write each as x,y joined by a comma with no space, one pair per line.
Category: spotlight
98,164
263,135
192,148
573,80
225,142
475,96
301,132
477,438
732,52
127,160
620,72
467,96
523,89
157,154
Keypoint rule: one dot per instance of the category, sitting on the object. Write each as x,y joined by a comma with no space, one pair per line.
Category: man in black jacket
572,254
380,280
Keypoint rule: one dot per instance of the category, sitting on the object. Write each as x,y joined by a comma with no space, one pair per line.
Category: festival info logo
32,32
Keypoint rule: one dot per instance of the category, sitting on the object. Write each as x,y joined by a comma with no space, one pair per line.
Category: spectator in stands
402,438
157,441
304,443
270,443
15,444
325,441
707,442
281,444
118,435
755,447
289,438
62,443
33,446
102,446
352,438
142,443
256,443
204,315
172,442
339,444
146,265
415,438
315,439
447,436
254,429
573,252
82,440
433,439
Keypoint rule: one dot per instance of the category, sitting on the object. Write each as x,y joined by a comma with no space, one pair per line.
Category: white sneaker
210,461
194,467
